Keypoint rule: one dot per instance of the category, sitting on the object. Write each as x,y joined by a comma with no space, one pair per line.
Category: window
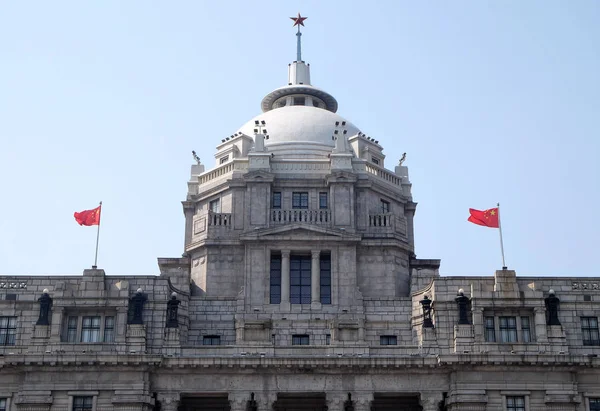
72,329
281,103
325,288
315,103
508,329
83,403
2,404
322,200
90,329
515,403
276,203
223,159
328,339
385,206
490,331
300,339
594,404
211,340
525,329
299,101
589,329
8,330
300,269
299,200
388,340
109,329
275,280
375,160
215,206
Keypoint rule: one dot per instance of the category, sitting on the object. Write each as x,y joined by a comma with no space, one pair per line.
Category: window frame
212,338
499,331
7,331
507,327
323,200
276,200
275,278
589,342
511,405
6,403
375,160
325,278
388,340
300,339
224,159
83,407
596,404
296,99
300,279
214,206
73,327
300,200
385,206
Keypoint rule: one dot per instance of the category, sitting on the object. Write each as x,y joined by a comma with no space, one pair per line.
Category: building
299,289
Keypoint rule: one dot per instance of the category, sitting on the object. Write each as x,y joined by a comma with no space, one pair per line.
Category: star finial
298,21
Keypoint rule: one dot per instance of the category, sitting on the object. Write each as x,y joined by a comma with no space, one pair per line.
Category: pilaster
169,401
430,401
172,345
285,280
362,401
316,280
136,338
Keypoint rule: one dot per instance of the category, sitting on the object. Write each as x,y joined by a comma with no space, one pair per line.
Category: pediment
300,231
257,176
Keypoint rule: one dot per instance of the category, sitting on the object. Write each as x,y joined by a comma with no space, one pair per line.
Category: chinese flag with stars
88,217
487,218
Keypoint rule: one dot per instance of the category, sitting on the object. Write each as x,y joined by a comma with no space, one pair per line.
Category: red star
298,20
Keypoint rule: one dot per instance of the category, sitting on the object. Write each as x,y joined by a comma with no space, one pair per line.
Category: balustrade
383,174
318,217
219,219
381,220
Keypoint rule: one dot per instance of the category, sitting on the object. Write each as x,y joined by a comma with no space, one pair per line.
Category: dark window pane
300,279
299,200
8,330
589,331
325,266
322,200
388,340
490,332
385,206
276,200
275,280
211,340
299,101
83,403
300,339
594,404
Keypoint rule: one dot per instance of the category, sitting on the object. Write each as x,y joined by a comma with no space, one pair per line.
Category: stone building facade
299,289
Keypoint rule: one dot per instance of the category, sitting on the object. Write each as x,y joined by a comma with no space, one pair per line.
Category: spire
299,21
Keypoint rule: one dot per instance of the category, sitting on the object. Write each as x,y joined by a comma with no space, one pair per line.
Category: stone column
285,280
362,401
168,401
265,400
541,333
315,280
238,400
430,400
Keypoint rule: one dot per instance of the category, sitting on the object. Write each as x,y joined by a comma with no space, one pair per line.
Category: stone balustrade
317,217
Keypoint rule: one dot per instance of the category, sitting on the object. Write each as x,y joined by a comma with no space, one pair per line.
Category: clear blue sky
492,101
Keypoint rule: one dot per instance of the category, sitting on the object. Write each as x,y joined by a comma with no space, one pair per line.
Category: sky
493,101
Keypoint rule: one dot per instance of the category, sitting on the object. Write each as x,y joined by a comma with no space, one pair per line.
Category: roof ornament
403,159
196,157
299,21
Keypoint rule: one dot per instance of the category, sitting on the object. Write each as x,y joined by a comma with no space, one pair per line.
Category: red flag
487,218
88,217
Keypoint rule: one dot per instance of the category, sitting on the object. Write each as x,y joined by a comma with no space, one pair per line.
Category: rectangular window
515,403
525,329
211,340
508,329
388,340
589,329
300,339
490,331
83,403
375,160
90,329
594,404
328,339
109,329
299,101
215,206
276,203
385,206
275,280
223,160
2,404
72,329
300,269
8,330
322,200
325,266
299,200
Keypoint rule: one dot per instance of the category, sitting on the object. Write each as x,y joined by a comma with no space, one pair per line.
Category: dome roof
300,131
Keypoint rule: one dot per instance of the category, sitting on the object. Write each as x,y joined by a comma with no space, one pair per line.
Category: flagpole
98,237
501,242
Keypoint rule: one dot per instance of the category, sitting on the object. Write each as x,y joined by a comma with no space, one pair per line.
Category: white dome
300,131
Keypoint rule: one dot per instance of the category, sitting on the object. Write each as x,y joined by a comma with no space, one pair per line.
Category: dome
300,131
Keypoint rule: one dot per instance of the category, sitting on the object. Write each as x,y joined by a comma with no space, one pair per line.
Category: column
430,401
169,401
362,401
285,279
315,280
238,400
265,400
